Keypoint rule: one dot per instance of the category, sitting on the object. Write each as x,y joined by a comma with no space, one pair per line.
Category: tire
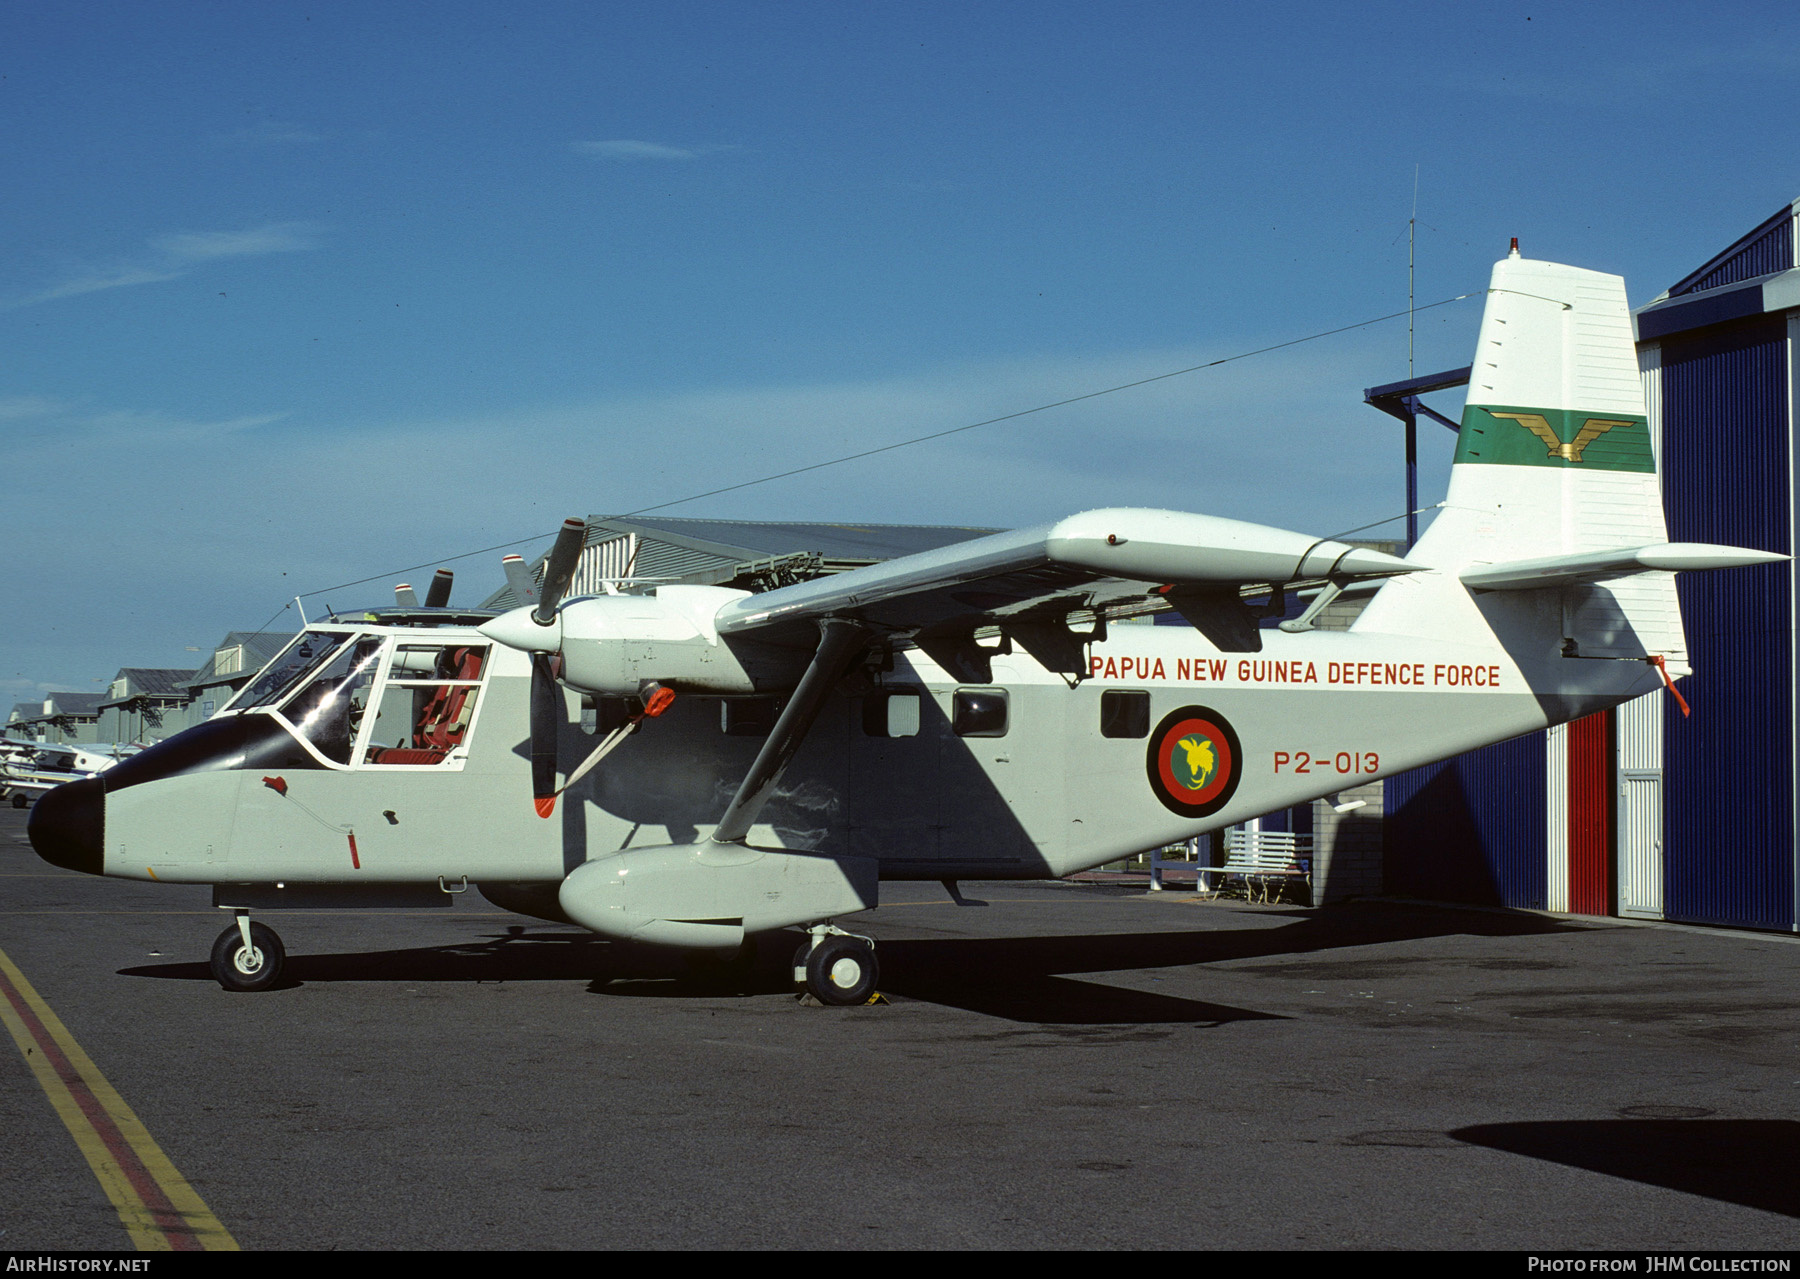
256,969
841,971
20,800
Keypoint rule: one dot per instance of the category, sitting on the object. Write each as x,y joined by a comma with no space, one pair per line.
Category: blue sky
298,295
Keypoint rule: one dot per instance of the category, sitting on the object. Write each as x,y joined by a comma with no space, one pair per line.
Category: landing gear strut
836,967
247,956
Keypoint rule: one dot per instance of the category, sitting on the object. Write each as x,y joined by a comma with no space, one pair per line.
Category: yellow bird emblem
1200,761
1591,430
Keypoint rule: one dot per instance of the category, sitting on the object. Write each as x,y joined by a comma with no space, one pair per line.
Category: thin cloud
39,423
200,246
173,255
634,149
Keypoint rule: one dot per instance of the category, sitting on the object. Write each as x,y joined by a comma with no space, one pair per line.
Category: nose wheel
837,968
247,956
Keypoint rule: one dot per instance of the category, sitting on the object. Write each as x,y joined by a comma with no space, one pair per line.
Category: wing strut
841,644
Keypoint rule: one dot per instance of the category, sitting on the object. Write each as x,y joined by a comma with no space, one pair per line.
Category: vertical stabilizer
1555,458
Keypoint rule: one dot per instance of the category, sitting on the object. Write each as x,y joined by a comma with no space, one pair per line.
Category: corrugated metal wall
1471,829
1728,853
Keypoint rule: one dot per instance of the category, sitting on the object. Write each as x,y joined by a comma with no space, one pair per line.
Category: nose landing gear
247,956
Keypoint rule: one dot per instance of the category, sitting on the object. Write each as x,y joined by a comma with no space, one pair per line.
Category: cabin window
1124,713
747,716
427,704
979,712
891,713
328,711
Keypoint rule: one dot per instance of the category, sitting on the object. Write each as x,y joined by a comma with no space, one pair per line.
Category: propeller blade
524,586
404,597
546,717
559,571
438,594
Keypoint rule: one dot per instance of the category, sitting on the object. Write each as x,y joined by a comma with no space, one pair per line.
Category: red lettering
1156,672
1281,757
1218,668
1094,664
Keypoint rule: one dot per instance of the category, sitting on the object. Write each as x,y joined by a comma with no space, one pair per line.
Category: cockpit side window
427,705
329,710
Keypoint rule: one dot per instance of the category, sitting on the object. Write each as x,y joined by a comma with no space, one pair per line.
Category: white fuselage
1313,713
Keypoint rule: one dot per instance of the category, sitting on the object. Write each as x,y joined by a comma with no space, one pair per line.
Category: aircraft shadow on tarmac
1741,1161
1025,979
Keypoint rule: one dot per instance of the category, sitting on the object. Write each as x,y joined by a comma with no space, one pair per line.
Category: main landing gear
836,967
247,956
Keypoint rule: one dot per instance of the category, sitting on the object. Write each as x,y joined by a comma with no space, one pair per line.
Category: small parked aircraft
704,764
29,769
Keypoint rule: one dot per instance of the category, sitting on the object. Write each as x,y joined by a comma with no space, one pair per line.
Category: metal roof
755,539
147,681
754,554
1754,276
258,646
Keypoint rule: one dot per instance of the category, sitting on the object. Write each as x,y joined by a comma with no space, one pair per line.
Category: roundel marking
1194,761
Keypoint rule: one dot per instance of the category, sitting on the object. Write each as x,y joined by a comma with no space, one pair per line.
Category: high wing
800,640
1023,579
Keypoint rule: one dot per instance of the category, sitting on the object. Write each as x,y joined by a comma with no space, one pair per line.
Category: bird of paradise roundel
1194,761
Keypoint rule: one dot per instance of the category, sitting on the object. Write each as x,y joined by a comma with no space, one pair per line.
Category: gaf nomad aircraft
766,760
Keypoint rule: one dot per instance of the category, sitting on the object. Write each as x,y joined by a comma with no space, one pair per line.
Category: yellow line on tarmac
157,1207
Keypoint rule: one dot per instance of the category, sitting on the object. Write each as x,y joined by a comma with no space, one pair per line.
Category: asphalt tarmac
1071,1066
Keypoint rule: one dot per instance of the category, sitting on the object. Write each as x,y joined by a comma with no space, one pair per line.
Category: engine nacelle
612,645
709,895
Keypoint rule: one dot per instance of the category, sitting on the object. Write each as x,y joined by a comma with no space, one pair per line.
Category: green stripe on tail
1503,436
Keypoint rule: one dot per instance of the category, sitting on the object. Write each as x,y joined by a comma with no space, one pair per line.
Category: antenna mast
1412,224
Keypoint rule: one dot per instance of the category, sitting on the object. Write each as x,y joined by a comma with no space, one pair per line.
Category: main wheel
254,968
841,971
20,799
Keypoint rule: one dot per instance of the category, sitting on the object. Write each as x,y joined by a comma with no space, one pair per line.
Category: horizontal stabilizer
1594,566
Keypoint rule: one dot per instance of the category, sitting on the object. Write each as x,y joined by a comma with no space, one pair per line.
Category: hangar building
1644,812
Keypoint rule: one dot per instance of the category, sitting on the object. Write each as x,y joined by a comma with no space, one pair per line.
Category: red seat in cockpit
443,719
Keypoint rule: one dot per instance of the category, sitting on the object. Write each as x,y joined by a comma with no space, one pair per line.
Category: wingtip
545,804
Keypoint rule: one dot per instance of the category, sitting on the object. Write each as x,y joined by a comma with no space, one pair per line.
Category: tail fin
1555,465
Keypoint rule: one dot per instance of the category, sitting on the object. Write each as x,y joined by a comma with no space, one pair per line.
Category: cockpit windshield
308,651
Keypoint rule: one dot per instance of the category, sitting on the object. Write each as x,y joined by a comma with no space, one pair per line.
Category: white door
1640,844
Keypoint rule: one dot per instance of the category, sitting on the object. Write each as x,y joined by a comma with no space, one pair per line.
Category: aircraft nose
68,826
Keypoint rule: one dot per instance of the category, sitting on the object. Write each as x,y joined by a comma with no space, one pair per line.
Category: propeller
546,698
438,594
404,597
559,569
546,719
